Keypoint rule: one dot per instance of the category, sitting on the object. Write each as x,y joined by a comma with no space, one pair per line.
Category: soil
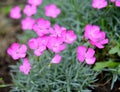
9,29
7,36
104,84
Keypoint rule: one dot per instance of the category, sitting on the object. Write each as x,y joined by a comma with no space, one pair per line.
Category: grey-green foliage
68,76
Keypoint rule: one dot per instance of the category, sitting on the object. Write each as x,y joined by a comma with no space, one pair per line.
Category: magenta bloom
42,27
33,44
91,31
56,59
117,3
84,54
51,10
57,31
69,36
35,2
100,41
112,0
99,4
25,67
27,23
17,51
95,36
15,12
38,44
30,10
56,44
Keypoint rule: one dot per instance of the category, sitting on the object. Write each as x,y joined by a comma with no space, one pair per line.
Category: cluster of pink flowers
17,51
96,38
30,9
99,4
53,38
49,38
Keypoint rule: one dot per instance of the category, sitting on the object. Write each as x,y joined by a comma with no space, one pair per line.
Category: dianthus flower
99,4
27,23
30,10
101,40
69,36
35,2
56,44
51,10
57,31
15,12
56,59
17,51
112,0
25,67
61,32
95,36
38,44
117,2
84,54
91,31
41,27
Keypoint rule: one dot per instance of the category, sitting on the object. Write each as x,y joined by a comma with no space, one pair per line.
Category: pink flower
86,55
112,0
91,31
95,36
43,40
15,12
117,3
30,10
38,44
42,44
56,59
27,23
56,44
99,4
69,36
33,43
25,67
42,27
56,31
35,2
100,41
51,10
17,51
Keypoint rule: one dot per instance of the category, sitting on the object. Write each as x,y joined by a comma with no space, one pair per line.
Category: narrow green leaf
114,79
1,86
100,65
